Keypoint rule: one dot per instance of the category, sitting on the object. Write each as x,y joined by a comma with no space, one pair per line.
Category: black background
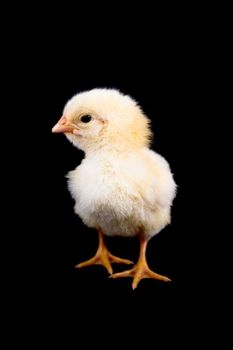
167,78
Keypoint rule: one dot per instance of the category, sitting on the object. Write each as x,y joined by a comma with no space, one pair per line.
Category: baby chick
121,187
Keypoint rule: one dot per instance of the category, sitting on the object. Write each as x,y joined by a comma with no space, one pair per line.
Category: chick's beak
63,125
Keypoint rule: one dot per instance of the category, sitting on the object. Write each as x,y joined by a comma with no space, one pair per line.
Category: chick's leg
103,257
141,269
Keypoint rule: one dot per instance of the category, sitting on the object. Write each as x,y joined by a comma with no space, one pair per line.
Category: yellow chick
121,187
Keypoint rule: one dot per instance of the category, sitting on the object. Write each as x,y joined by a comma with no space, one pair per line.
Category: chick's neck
111,150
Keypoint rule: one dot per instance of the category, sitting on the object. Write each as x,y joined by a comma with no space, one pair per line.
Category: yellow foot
103,257
138,272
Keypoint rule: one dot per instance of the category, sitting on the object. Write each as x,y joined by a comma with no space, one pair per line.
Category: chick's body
121,187
124,194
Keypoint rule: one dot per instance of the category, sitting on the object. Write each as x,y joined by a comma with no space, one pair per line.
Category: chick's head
102,118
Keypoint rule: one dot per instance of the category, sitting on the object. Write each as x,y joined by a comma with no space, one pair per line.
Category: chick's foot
139,272
104,257
141,269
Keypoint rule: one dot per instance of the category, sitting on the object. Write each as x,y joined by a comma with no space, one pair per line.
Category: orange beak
63,125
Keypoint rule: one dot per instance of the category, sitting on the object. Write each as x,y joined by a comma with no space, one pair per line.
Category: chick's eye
86,118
